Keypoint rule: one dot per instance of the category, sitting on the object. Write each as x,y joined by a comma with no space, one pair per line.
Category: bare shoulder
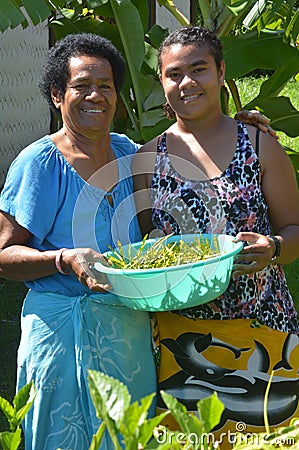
271,153
144,159
150,146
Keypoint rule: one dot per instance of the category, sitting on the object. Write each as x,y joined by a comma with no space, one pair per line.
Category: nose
94,92
186,80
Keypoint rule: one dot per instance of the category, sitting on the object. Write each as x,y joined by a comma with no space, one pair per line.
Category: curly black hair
55,72
191,35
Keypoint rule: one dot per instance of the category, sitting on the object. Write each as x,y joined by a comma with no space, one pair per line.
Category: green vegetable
161,254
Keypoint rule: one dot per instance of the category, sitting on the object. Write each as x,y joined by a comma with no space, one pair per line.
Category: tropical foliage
15,414
256,35
128,423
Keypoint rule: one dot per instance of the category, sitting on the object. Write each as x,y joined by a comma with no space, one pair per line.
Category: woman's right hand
80,261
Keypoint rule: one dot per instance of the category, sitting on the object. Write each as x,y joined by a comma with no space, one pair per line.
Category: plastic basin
175,287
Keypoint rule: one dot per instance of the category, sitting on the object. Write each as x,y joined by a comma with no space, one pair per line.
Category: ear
221,73
56,97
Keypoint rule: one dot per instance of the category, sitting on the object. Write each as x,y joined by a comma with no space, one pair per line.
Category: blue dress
66,328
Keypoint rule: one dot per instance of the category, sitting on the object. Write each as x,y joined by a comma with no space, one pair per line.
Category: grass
12,293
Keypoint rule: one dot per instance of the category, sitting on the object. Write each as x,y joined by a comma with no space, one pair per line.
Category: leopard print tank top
228,203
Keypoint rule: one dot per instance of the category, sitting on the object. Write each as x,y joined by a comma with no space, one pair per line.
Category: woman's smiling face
191,80
90,98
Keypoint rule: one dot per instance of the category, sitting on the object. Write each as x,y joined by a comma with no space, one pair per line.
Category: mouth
190,97
93,111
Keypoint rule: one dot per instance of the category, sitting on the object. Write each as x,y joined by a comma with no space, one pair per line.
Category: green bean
161,254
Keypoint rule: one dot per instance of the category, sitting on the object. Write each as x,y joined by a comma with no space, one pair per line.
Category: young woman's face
191,80
90,99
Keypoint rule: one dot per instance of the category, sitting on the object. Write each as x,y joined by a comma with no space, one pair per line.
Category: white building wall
24,114
165,19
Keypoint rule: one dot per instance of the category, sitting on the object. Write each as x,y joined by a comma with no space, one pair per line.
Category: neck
204,125
88,145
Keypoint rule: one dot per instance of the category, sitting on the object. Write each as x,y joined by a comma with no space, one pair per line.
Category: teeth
191,96
93,110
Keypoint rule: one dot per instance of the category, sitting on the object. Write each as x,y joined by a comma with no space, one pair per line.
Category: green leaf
97,438
250,51
13,14
37,10
187,422
210,410
146,429
284,117
132,36
10,441
156,35
136,415
152,117
280,77
4,22
7,409
111,400
156,98
23,401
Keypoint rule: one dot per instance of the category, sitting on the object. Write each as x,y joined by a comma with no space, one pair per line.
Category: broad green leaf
131,31
280,77
10,441
210,410
250,51
255,13
284,117
132,36
37,10
12,13
7,409
136,414
156,96
23,401
152,117
4,22
143,11
151,57
93,4
111,398
149,133
156,35
187,422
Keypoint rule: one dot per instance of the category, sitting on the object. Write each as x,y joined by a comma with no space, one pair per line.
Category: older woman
66,198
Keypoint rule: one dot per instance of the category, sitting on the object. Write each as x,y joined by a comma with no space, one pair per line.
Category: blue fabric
47,197
67,329
64,336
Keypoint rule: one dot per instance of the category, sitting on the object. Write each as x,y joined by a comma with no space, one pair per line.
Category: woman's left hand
257,253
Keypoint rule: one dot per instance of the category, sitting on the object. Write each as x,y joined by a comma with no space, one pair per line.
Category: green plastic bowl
174,287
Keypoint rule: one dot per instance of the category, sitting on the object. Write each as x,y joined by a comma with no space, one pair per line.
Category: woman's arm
21,263
142,171
281,193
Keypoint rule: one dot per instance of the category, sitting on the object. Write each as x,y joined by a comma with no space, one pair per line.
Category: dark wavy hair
55,72
190,35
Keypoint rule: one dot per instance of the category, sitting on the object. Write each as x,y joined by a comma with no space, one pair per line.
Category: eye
173,75
199,69
79,86
105,86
